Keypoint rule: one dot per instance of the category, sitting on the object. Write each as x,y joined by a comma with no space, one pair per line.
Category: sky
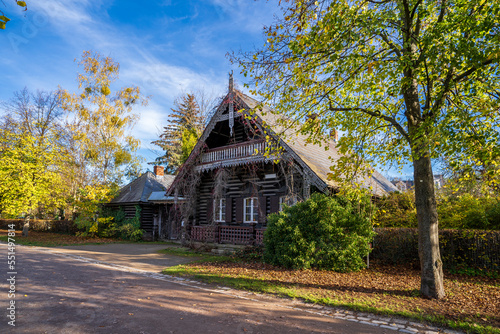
167,48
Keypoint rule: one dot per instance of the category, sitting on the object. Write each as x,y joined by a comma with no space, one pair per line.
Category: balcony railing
237,151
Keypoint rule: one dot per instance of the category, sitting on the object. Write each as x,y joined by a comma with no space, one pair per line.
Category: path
96,289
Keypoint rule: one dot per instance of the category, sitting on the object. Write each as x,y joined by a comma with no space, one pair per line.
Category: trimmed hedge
459,248
39,225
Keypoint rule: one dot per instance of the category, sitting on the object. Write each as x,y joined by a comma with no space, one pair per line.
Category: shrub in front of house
114,224
332,233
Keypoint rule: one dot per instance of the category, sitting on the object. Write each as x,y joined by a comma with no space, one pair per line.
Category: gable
240,120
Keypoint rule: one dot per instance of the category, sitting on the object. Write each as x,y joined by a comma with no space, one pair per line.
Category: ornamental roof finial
231,82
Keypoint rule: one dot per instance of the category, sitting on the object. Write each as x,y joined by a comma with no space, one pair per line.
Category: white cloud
167,81
247,15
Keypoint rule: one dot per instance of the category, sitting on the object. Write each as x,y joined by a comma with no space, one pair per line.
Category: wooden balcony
236,151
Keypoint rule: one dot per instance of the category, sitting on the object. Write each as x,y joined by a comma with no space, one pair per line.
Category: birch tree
102,120
390,75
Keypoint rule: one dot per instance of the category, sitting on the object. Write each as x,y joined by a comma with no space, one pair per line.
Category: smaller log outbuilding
147,193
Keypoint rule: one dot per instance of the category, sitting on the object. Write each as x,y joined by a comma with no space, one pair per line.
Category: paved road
57,291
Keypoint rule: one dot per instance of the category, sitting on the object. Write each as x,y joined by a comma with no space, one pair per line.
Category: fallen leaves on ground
54,239
396,288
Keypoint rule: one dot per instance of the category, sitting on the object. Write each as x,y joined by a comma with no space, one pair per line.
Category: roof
315,159
161,197
141,188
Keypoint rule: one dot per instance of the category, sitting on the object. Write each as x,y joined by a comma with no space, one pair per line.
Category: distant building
404,185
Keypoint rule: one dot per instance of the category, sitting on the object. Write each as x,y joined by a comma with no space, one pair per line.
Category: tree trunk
26,226
431,284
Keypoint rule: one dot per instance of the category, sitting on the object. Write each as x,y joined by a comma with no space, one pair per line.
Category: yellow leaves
105,90
370,66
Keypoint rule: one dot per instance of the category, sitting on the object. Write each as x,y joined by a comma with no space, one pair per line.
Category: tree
187,121
31,153
99,143
4,19
389,75
102,120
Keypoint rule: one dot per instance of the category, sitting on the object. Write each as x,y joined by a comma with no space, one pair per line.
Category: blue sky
165,47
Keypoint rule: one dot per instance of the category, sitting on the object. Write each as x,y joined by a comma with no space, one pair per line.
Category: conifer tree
180,136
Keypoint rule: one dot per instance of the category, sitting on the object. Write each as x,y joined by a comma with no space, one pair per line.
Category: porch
223,234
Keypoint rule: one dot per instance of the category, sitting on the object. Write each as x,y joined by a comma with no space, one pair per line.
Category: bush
469,212
113,224
123,228
472,249
323,232
455,212
396,210
493,215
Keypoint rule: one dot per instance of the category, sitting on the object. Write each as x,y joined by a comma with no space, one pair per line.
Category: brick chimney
158,170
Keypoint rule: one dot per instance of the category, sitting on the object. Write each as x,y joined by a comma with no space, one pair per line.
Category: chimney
158,170
334,135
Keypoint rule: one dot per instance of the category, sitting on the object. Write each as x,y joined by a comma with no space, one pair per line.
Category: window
288,200
220,210
250,210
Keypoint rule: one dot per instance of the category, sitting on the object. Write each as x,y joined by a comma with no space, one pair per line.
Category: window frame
220,210
254,210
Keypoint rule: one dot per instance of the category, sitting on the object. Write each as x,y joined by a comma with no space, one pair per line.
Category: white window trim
220,210
252,207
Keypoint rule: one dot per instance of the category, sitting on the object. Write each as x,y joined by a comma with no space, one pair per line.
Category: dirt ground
65,293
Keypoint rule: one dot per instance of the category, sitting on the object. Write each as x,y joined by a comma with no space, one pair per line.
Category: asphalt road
57,291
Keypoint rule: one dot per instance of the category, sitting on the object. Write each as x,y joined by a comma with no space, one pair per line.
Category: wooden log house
147,193
234,177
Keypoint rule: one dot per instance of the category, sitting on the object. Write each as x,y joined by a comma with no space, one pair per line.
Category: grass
362,291
181,251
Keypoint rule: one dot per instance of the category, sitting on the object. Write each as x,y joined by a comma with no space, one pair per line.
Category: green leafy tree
32,154
189,139
29,174
4,19
98,139
180,136
389,75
